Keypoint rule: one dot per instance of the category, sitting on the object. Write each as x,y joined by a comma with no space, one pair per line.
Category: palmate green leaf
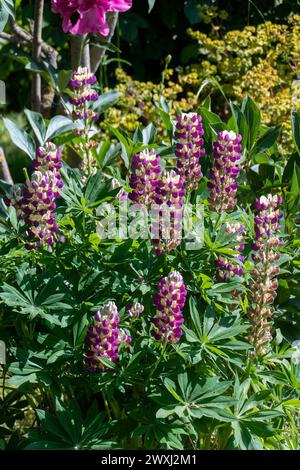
197,398
18,380
211,412
266,141
260,429
220,332
253,401
244,439
12,297
168,410
68,427
190,335
27,368
170,386
42,299
72,192
208,389
53,425
79,330
97,191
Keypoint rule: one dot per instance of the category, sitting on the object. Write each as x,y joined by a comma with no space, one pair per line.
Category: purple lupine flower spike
169,302
189,136
145,172
227,268
80,83
168,212
35,201
104,338
223,185
264,285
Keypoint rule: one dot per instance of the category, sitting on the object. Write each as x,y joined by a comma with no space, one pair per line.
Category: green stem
106,406
26,174
163,349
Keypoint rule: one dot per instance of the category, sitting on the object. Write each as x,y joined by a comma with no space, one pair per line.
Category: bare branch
26,38
4,168
36,89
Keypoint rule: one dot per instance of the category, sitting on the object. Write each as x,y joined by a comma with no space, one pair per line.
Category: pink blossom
88,16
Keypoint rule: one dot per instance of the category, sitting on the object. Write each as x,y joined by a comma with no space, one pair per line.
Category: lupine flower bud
122,195
223,186
135,309
144,176
83,94
189,136
169,302
226,268
264,285
104,338
167,225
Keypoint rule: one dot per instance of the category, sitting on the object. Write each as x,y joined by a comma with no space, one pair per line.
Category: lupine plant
162,345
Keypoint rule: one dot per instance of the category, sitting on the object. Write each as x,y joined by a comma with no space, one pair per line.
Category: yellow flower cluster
262,61
140,101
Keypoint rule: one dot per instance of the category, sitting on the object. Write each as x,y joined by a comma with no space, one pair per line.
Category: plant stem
26,174
5,168
36,93
106,406
159,359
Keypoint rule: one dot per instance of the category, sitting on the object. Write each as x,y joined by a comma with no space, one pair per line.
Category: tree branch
24,37
11,38
4,168
98,53
36,90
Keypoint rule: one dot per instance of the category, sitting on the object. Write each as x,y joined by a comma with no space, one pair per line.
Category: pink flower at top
88,16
